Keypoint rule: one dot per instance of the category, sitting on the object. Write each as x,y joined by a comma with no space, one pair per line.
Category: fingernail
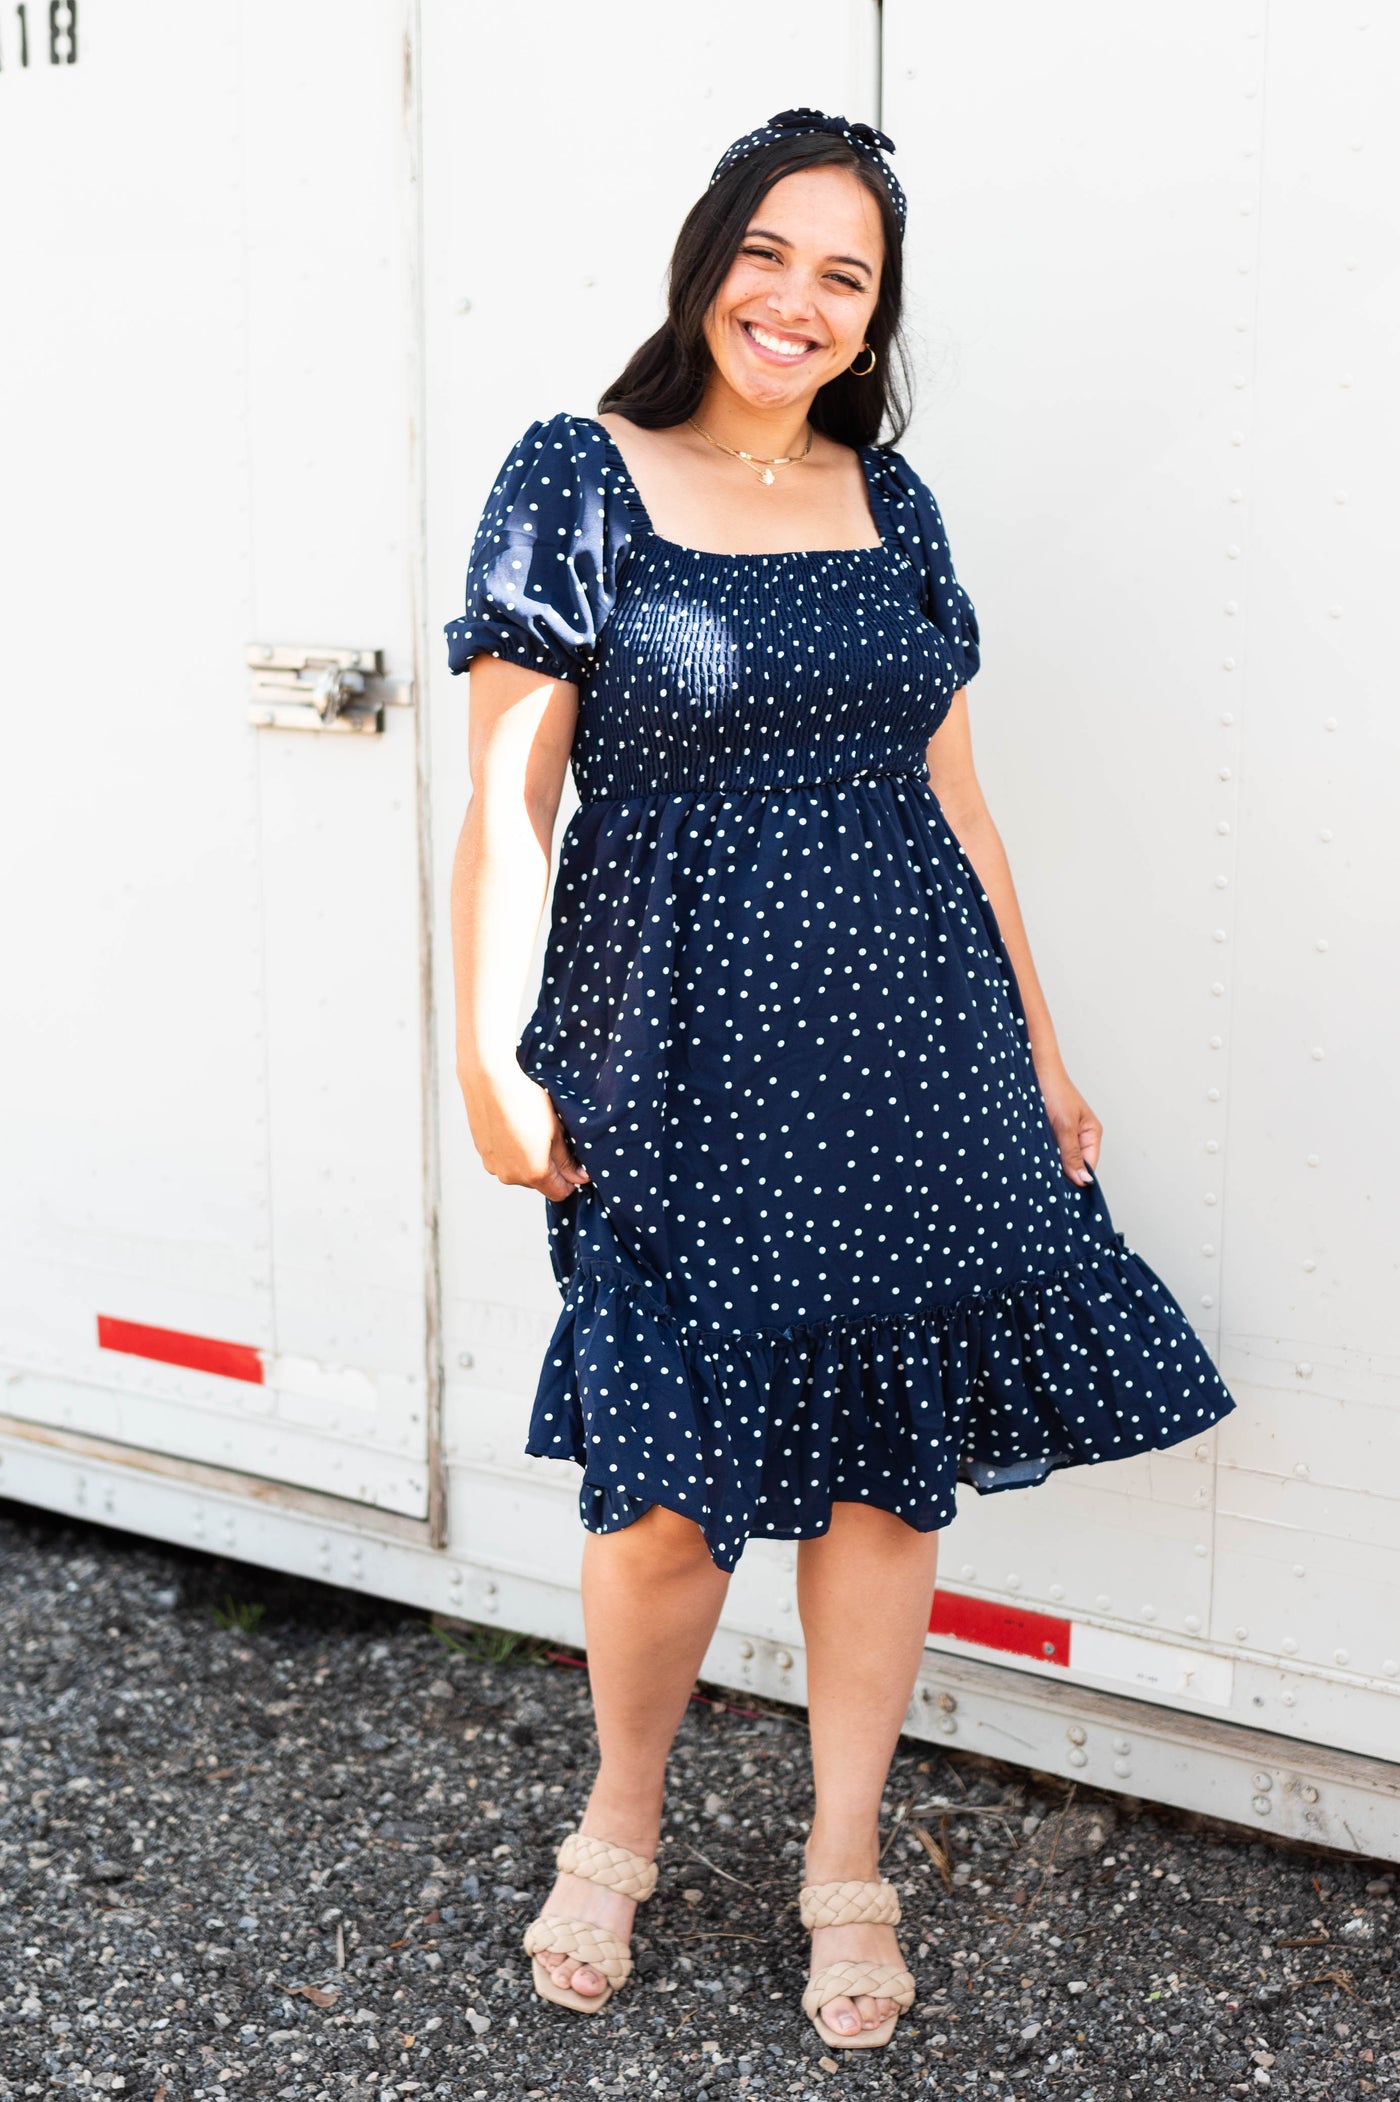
1086,1175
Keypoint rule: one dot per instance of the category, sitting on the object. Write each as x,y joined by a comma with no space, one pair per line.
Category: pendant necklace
761,467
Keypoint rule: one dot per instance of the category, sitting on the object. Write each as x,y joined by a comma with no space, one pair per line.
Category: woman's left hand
1077,1130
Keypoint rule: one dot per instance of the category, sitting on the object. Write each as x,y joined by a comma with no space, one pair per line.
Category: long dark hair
663,381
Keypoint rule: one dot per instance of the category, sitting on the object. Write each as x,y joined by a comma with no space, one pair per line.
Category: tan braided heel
597,1861
841,1905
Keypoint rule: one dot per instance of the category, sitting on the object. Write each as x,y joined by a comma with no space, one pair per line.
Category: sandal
842,1905
617,1868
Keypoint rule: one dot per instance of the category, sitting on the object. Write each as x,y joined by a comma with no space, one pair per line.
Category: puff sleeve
543,570
918,525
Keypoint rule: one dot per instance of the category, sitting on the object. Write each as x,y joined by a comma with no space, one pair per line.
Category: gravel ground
260,1837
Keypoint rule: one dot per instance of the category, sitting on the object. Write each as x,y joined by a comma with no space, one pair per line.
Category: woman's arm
953,778
520,731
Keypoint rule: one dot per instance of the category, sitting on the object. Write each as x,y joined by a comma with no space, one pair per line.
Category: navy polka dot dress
828,1249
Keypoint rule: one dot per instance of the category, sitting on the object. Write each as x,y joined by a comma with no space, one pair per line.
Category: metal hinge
297,687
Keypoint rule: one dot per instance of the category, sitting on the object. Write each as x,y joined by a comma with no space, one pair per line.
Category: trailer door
214,1180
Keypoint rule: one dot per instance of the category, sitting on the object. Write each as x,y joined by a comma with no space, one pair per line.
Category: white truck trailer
281,283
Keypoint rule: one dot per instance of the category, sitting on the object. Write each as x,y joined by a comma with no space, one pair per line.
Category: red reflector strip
1010,1628
171,1346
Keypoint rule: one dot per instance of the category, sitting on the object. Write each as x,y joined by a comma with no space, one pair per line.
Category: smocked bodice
699,671
758,672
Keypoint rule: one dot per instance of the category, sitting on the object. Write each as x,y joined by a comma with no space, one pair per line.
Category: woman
819,1188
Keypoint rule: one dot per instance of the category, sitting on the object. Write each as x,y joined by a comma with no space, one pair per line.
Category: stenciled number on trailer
63,35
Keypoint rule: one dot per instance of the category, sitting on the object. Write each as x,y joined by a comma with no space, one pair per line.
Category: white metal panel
1313,1166
554,196
1136,1549
131,967
212,1080
1154,259
331,286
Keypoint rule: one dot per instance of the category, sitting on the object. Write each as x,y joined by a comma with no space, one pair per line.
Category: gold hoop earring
865,370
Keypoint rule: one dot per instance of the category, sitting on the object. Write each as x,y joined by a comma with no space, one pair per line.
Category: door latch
298,687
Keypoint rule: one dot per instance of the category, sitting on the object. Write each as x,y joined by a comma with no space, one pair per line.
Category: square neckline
704,554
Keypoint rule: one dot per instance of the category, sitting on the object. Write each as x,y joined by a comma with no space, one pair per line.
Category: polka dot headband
870,144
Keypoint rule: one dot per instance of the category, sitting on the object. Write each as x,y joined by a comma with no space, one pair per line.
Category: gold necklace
761,467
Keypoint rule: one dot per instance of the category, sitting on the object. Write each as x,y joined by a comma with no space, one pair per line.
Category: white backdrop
1167,245
289,283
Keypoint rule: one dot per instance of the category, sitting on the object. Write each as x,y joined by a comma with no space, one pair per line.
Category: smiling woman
792,315
785,295
741,242
819,1189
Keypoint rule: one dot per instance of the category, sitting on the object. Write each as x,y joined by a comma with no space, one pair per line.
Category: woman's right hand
519,1133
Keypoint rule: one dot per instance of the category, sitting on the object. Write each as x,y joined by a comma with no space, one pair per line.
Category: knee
668,1545
863,1537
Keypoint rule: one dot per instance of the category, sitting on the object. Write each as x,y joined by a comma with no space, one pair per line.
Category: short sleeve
918,525
543,569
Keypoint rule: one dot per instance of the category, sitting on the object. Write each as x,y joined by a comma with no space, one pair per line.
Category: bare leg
864,1591
651,1597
